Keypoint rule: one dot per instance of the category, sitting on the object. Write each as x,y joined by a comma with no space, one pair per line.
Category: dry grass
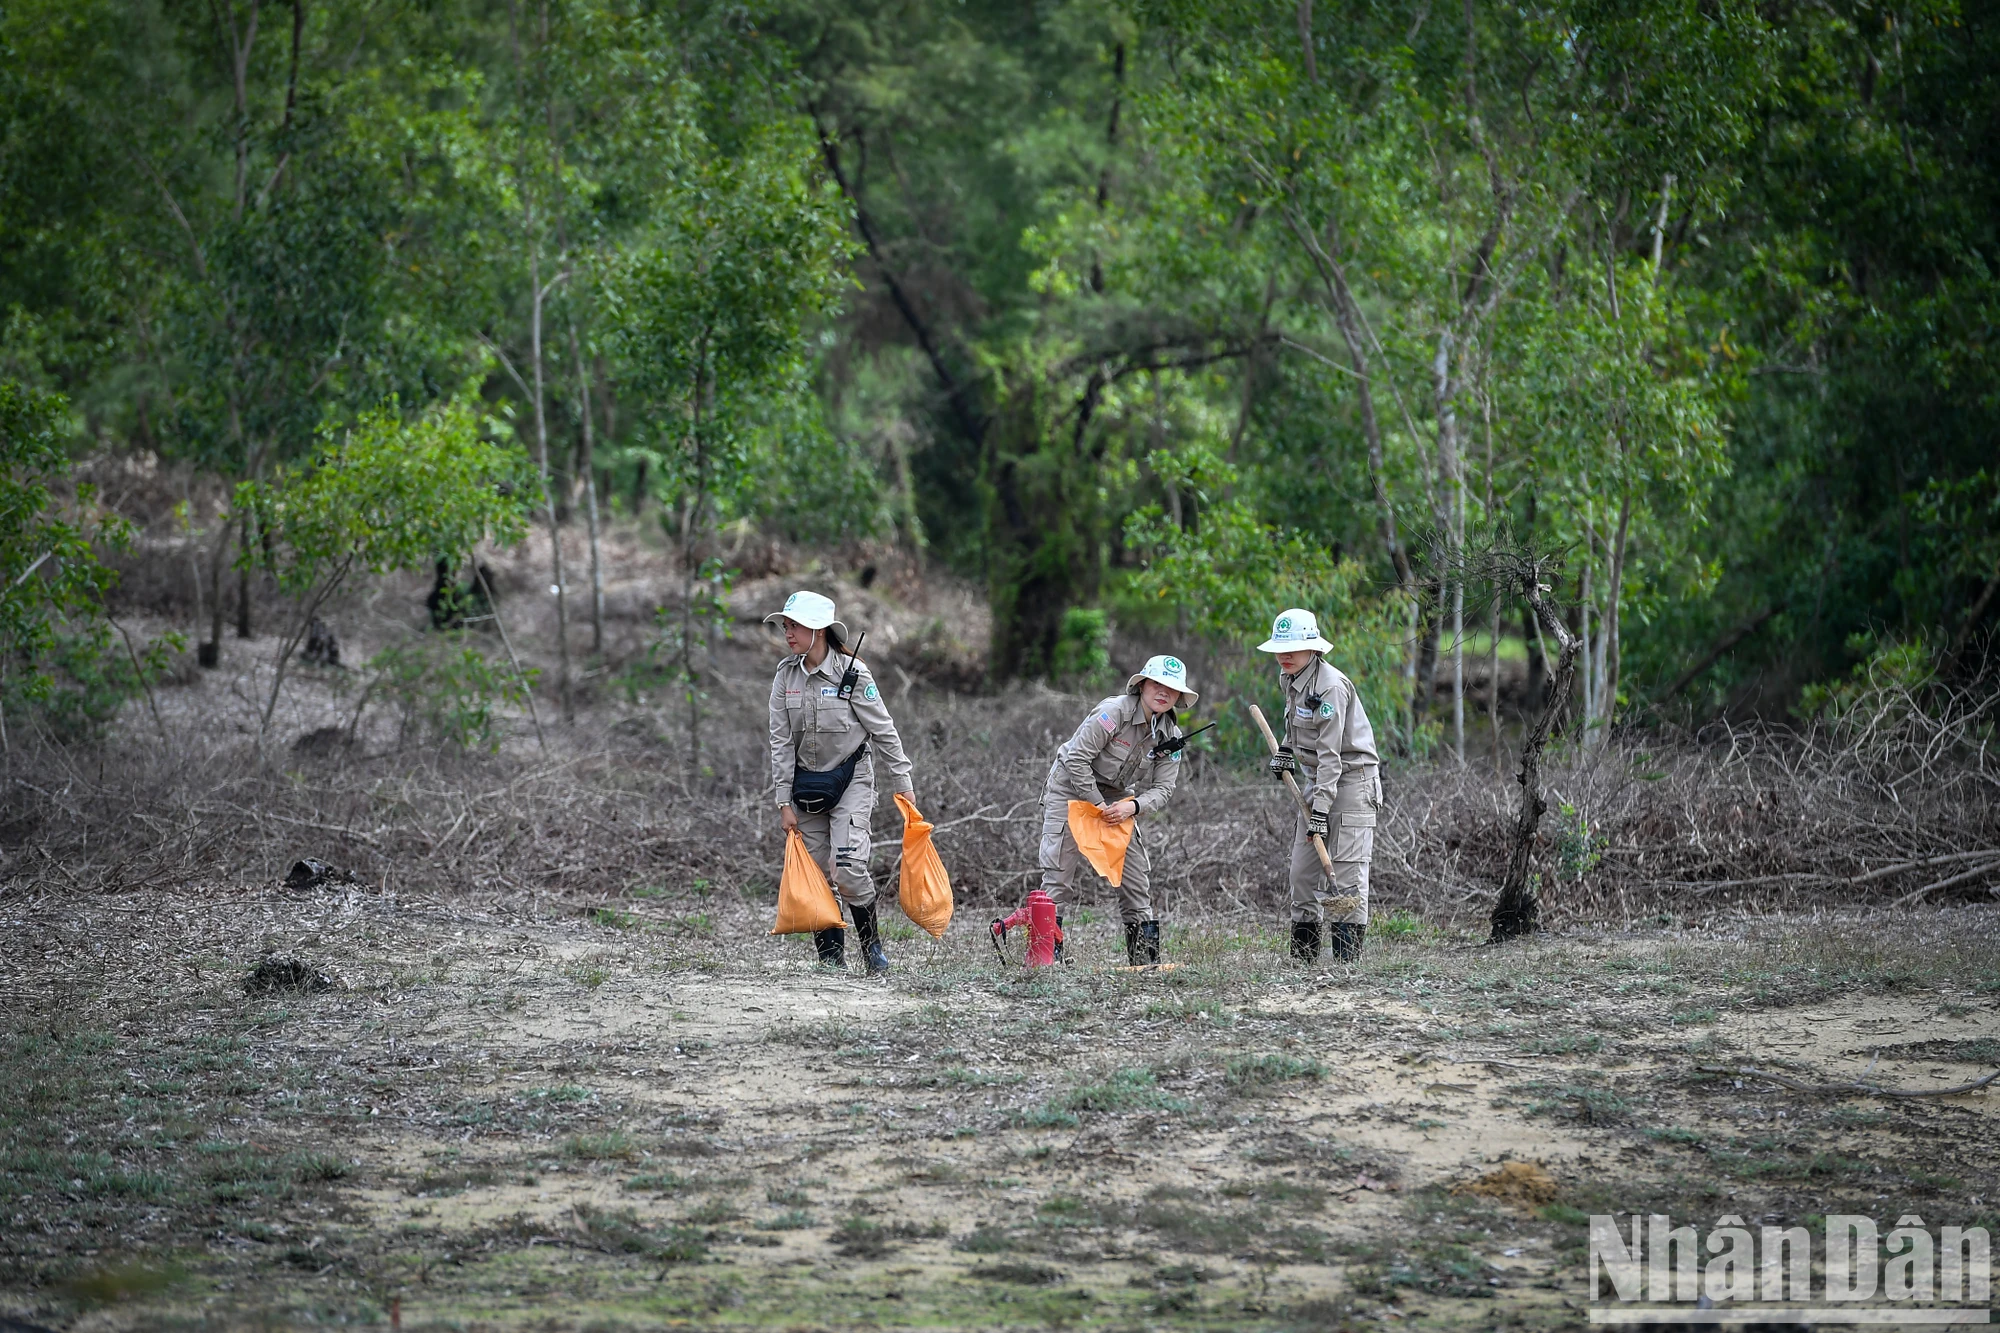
1696,829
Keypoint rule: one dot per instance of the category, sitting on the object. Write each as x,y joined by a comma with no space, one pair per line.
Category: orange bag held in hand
1102,842
805,899
925,891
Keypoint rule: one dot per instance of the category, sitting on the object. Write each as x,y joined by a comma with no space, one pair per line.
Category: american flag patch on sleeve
1104,720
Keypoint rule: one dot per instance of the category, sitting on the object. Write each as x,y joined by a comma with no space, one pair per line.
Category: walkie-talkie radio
1177,744
852,675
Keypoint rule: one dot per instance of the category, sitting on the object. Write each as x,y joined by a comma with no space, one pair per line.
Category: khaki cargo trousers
1061,862
840,839
1350,843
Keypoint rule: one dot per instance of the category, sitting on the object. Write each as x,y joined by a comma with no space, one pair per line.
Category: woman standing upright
828,723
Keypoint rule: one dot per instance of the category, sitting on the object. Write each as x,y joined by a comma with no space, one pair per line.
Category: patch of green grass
614,919
445,1182
1246,1072
989,1240
968,1076
613,1145
792,1219
713,1211
116,1283
1124,1090
1402,924
1594,1106
1278,1190
662,1182
622,1230
1189,1009
1434,1269
1027,1275
862,1238
1674,1135
1695,1018
1564,1043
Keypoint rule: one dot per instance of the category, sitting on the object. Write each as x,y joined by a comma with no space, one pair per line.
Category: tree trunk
1607,675
243,582
588,470
1042,522
548,487
210,653
1517,911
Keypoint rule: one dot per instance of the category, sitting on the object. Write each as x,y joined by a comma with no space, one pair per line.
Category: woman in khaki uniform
1330,747
828,725
1125,758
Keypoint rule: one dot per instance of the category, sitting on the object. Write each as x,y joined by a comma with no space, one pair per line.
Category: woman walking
828,724
1125,759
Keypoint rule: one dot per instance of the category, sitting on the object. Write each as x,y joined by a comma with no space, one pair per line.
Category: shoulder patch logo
870,693
1326,710
1106,721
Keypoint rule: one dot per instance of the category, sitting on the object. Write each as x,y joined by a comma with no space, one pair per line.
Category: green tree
382,496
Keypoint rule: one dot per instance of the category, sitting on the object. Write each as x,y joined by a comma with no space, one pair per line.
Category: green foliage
389,495
445,689
1234,574
1578,848
81,680
1885,686
1083,645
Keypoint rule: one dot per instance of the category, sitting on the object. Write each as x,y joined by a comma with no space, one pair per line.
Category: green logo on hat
1284,623
1172,666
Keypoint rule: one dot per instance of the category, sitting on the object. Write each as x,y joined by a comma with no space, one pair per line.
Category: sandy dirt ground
658,1116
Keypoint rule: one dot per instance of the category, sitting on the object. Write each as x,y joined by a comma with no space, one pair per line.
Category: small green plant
1578,850
1402,924
792,1219
444,689
611,1145
1253,1071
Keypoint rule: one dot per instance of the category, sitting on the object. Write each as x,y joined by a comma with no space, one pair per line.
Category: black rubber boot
1305,941
1135,950
1149,939
871,941
832,946
1344,940
1059,939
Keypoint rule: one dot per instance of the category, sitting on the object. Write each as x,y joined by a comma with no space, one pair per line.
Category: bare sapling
1517,911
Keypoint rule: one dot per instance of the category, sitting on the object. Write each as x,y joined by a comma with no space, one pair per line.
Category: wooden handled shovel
1292,785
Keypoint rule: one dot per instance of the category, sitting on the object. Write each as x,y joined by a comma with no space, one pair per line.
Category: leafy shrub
445,689
1083,645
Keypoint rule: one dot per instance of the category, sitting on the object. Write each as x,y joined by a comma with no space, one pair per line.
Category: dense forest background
1160,314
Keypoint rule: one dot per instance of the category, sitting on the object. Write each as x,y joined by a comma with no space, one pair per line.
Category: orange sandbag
925,891
1102,842
805,899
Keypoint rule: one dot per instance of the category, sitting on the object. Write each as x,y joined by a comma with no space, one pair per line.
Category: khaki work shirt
1328,731
813,729
1113,750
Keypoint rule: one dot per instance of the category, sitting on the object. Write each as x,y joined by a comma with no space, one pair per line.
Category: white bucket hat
1295,631
811,610
1170,672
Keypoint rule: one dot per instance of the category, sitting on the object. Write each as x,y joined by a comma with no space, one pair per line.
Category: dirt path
662,1115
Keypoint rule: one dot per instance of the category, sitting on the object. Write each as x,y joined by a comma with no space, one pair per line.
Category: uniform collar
1308,679
825,667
